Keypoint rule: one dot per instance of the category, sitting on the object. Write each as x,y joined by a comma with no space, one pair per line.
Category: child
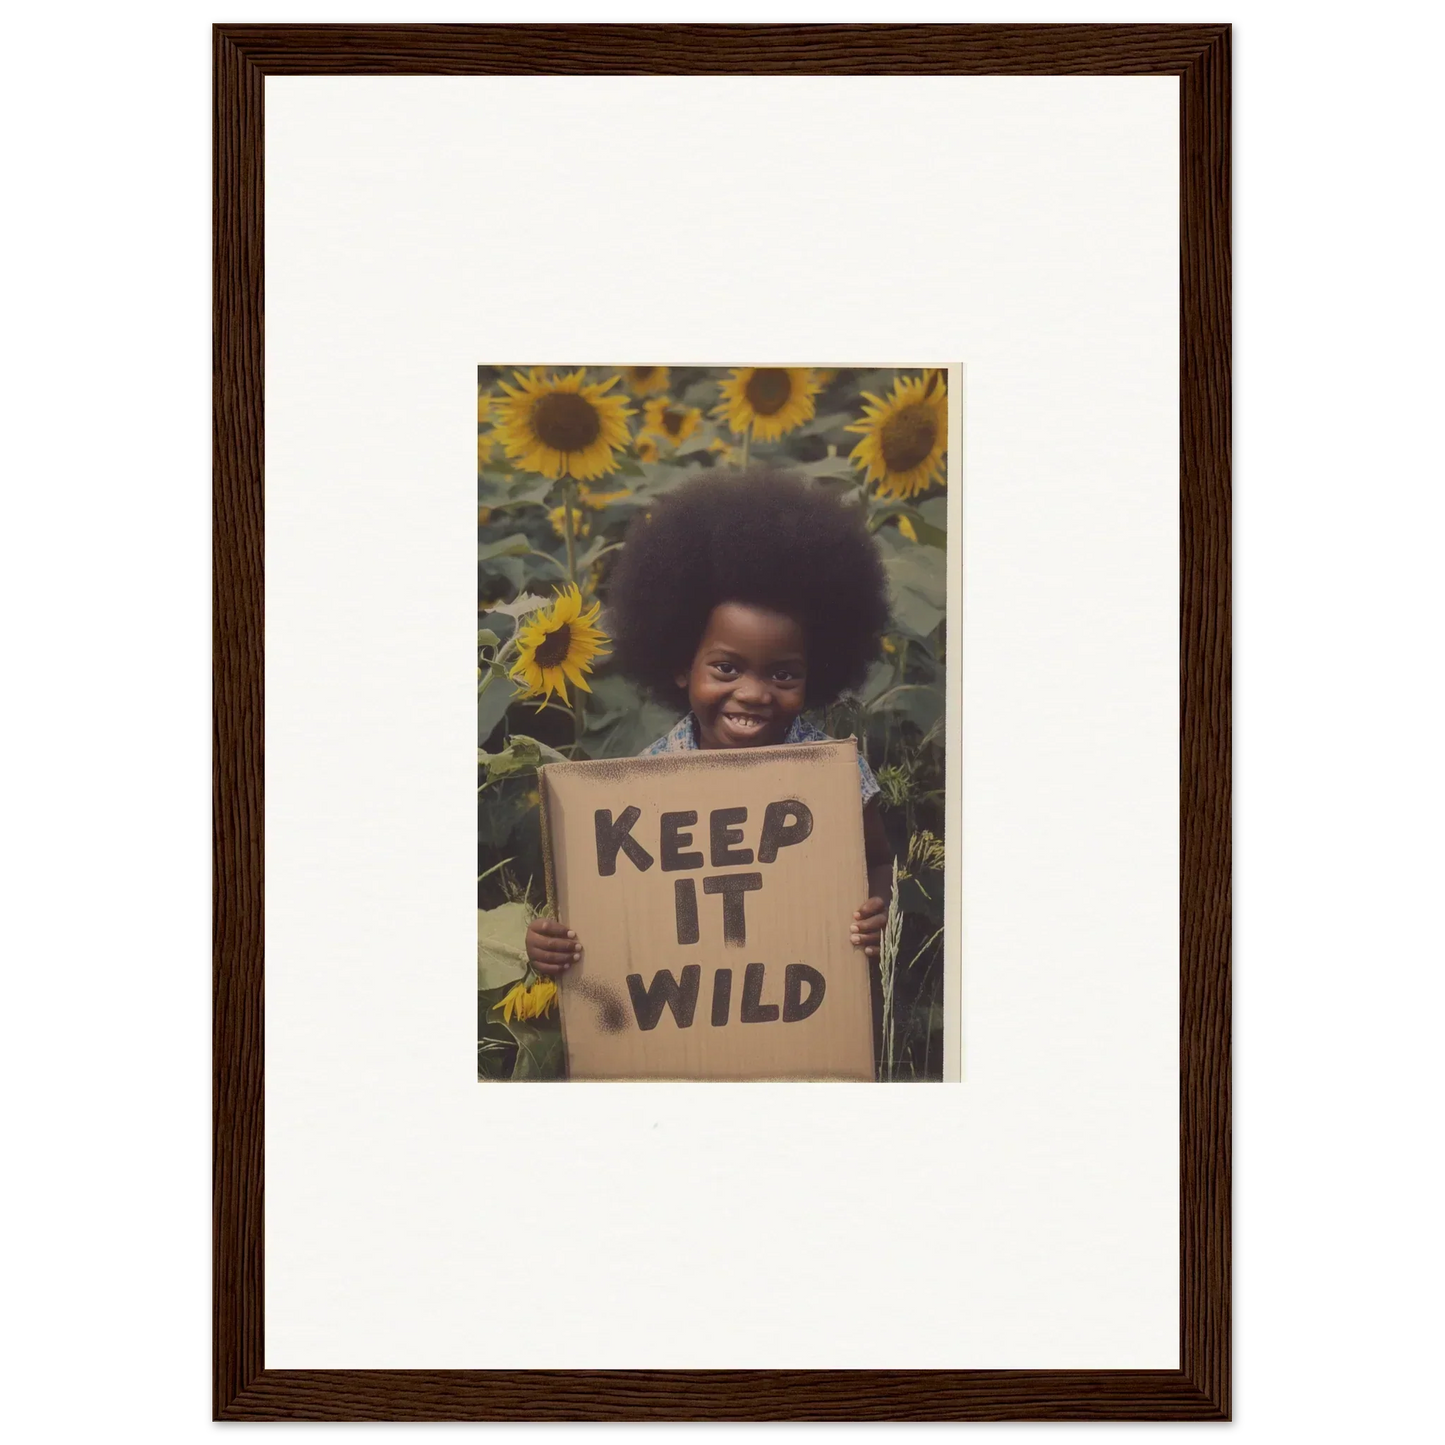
746,597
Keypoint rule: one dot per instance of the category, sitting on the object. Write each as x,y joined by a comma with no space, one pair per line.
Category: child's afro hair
759,536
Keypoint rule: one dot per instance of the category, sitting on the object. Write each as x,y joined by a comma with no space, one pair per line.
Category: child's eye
725,668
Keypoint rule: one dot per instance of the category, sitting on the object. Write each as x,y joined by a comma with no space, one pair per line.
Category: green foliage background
898,714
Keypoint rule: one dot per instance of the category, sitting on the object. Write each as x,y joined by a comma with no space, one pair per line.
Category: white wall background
1044,1192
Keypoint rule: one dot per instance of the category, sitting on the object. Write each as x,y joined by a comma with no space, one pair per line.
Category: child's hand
552,947
868,924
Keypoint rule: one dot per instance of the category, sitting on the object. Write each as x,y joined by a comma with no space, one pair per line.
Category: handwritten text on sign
785,824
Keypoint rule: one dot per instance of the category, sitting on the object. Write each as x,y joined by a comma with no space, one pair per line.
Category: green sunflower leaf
935,512
922,706
504,491
700,441
501,945
537,753
539,1048
915,581
930,535
513,570
837,468
925,528
625,735
611,698
822,425
879,679
522,754
701,392
517,545
594,549
492,704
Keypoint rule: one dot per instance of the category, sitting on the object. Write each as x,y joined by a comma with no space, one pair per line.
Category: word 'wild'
680,996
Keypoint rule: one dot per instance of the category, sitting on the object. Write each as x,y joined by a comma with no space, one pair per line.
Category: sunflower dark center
908,438
768,390
643,374
554,648
566,422
672,422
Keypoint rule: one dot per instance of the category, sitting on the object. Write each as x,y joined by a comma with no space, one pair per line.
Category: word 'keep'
785,824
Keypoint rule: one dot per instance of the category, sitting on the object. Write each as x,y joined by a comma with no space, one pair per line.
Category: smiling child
746,597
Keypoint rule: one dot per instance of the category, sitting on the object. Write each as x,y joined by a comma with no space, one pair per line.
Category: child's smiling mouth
743,727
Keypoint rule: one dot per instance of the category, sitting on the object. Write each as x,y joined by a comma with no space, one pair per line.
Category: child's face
748,677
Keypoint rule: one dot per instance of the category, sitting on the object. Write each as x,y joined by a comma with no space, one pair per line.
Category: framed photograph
713,684
850,688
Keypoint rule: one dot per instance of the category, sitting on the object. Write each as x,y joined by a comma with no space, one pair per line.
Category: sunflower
645,380
667,421
581,524
772,400
904,437
646,448
559,427
556,645
527,1000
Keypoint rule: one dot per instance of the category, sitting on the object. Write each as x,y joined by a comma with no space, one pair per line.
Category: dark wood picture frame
1199,55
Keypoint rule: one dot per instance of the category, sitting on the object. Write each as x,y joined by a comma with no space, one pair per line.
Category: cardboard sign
713,894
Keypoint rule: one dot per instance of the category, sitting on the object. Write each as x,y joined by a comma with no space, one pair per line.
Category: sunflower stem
747,442
571,533
579,722
497,665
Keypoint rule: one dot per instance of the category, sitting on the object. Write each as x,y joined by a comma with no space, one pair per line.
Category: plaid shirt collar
683,737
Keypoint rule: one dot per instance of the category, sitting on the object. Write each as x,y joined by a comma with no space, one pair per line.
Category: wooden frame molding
1200,56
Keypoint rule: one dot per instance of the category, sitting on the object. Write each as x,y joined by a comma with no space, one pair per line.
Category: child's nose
753,689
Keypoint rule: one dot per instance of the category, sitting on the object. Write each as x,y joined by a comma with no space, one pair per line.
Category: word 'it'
679,995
